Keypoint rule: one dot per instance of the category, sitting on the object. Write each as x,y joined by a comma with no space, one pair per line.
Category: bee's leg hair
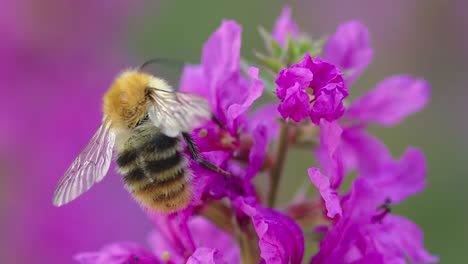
195,153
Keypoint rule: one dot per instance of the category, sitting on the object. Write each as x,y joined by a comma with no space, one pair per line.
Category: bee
145,122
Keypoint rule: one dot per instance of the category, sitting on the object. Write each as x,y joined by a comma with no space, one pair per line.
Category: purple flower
356,238
349,49
362,233
284,27
230,95
312,88
280,238
366,232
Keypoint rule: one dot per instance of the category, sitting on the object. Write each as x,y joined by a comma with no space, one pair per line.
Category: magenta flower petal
330,136
267,116
339,243
221,54
357,238
363,152
349,49
296,104
403,178
391,101
329,153
252,93
204,180
284,26
257,152
118,253
409,238
173,233
221,60
165,241
329,195
289,77
206,255
207,234
193,81
280,238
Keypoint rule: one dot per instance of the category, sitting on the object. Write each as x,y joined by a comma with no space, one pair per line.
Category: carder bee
145,122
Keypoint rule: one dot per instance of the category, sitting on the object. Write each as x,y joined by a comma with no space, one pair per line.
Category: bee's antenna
162,61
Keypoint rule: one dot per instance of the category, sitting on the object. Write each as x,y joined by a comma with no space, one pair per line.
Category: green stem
275,172
249,249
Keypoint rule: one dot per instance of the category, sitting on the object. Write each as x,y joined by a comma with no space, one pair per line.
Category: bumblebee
145,121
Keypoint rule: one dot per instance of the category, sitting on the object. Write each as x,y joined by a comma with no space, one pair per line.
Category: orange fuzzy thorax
125,103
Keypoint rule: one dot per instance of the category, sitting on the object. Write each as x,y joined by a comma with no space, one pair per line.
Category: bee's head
126,102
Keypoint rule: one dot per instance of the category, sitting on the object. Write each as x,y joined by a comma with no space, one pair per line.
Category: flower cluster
232,219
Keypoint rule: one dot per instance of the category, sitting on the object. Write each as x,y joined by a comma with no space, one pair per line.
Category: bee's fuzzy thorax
125,103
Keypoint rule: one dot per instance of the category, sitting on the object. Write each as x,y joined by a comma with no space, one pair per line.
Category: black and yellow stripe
156,172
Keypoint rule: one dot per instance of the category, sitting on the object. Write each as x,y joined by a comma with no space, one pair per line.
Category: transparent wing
174,112
88,168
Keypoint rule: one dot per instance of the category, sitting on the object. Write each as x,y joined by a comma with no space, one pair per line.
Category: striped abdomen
155,171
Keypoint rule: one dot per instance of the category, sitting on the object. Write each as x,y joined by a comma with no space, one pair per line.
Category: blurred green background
428,39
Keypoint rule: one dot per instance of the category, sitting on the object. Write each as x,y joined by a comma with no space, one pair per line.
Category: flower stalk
277,168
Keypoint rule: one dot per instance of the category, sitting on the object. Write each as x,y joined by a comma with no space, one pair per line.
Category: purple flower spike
118,253
312,88
280,238
284,27
349,48
391,101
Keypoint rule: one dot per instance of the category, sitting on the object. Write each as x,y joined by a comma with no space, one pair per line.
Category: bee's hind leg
195,153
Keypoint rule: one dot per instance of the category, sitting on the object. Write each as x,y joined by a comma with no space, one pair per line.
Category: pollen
166,255
228,141
202,133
